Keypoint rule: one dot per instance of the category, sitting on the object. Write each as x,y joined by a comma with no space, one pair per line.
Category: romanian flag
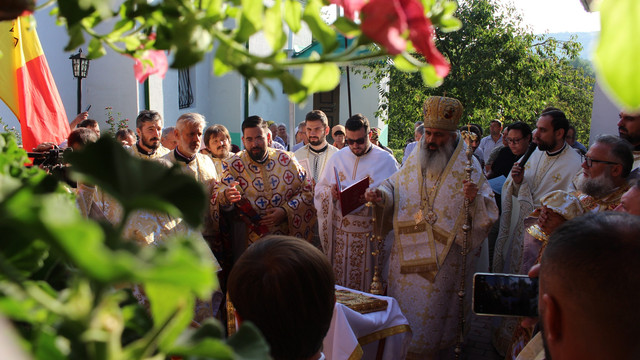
27,86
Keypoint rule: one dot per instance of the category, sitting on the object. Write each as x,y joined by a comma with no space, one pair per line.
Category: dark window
185,91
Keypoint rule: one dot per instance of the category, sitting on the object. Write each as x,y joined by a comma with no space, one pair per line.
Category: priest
426,201
346,239
267,188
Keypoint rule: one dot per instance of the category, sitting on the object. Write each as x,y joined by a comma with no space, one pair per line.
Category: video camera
52,161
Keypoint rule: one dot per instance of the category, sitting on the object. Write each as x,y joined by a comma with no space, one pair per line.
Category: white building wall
604,114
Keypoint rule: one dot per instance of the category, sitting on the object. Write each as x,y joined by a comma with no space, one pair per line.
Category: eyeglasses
356,141
514,141
590,161
338,133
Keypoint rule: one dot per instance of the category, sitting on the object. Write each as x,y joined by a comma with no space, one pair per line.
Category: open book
349,197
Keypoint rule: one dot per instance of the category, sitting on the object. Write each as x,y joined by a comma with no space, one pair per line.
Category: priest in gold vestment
267,188
426,197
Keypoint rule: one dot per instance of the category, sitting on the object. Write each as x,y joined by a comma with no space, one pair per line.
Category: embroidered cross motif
288,177
275,200
228,179
294,204
243,183
556,178
296,221
274,181
254,168
284,159
258,184
261,202
308,215
238,165
270,164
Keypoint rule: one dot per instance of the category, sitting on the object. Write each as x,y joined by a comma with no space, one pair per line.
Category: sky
556,16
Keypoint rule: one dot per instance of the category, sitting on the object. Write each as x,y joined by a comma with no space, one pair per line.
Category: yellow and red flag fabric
27,86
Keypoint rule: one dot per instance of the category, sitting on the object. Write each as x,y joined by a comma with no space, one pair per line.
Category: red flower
421,34
383,21
350,6
160,65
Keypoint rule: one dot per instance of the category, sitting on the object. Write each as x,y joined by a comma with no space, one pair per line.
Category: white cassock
542,174
314,162
345,240
425,265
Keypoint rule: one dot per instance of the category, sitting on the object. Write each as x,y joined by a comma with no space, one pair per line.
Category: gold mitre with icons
442,113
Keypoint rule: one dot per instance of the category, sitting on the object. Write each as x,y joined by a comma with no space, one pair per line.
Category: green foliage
191,28
618,52
498,70
13,130
62,275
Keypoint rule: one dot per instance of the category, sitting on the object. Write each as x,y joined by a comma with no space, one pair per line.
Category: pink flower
421,34
383,21
350,6
160,65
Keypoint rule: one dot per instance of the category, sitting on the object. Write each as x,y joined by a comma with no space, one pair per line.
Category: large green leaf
617,55
273,26
140,184
250,20
293,15
172,310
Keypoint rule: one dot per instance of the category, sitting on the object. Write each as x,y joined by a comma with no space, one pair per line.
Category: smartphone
505,295
87,109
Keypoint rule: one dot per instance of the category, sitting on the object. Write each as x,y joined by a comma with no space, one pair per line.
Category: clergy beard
151,144
433,162
596,187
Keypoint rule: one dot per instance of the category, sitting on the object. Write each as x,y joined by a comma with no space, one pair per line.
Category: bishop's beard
433,162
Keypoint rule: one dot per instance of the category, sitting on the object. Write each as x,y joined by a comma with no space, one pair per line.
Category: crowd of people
527,205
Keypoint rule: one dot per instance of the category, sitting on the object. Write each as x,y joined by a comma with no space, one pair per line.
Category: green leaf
172,310
320,77
273,31
248,343
293,15
140,184
429,76
76,37
180,261
96,49
403,64
450,24
47,346
73,14
250,20
347,27
319,29
131,42
616,58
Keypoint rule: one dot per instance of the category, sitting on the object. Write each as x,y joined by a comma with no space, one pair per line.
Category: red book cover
350,196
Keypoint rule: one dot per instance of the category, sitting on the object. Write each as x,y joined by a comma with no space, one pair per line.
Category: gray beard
597,187
433,162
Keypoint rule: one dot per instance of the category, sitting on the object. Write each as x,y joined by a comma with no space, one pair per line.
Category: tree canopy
499,70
